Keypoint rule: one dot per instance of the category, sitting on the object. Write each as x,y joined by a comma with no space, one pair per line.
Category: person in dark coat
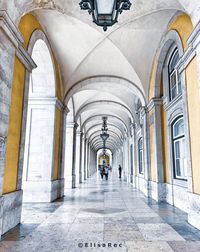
120,171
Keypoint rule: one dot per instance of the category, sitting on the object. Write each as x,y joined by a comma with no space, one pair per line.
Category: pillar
39,183
11,46
81,158
78,154
70,155
88,159
74,156
85,157
133,158
146,160
157,187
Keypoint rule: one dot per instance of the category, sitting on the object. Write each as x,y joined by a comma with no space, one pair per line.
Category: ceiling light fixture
105,12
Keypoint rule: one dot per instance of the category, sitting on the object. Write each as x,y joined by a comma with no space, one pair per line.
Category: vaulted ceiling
124,53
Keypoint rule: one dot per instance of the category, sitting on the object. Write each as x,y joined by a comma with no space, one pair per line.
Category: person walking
106,172
101,171
120,171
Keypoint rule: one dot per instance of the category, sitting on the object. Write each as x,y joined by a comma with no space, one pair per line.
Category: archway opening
39,151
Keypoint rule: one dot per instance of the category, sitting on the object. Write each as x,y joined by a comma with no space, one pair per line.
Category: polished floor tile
102,216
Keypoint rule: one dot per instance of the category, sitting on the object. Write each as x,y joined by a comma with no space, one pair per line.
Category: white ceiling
84,51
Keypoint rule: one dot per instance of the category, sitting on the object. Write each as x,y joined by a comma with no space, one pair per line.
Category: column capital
154,102
194,38
144,110
189,54
3,140
72,125
132,128
2,146
65,110
76,125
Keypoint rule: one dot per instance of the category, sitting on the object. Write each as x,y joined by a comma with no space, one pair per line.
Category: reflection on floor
102,213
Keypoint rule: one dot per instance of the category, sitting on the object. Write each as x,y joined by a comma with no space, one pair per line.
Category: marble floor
102,216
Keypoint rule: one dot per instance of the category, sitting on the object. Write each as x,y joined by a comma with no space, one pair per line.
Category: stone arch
102,102
132,87
174,35
41,160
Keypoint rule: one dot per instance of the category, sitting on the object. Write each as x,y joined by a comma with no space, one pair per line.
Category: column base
157,191
44,191
80,178
125,177
11,207
194,210
173,194
73,181
131,179
142,184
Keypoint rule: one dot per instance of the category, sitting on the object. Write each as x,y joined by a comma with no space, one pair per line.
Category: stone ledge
194,210
11,210
43,191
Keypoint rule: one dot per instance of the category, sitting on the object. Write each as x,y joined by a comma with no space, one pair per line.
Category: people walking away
120,171
101,171
106,172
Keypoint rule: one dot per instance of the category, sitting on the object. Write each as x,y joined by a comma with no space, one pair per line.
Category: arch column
78,157
85,157
11,50
65,111
81,158
7,54
88,159
92,162
70,155
146,159
157,187
133,157
126,159
39,181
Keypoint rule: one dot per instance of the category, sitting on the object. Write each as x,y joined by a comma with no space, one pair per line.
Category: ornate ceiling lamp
104,135
105,12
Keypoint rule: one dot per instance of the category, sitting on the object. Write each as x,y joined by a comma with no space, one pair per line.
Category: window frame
174,140
140,156
171,72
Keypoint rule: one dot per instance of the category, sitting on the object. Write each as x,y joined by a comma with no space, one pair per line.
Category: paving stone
102,212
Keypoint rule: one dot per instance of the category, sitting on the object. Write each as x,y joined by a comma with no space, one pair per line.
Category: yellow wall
152,148
194,120
183,25
101,158
57,144
27,26
165,146
152,79
15,122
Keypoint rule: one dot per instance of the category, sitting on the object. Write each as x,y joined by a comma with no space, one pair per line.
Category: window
140,155
174,77
178,143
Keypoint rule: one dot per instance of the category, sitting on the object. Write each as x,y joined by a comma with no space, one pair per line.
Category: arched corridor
80,104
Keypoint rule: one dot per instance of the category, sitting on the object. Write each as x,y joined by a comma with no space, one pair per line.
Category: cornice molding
190,53
13,34
153,103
